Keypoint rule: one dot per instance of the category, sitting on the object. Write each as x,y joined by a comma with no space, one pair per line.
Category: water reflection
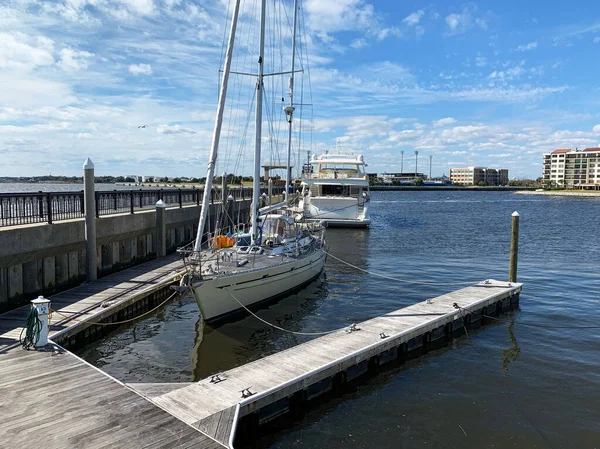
511,354
229,344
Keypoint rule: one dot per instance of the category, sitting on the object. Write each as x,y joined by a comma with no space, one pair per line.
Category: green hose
32,329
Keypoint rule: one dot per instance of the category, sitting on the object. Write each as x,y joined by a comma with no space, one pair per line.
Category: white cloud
140,69
461,22
414,18
30,92
596,40
19,51
453,21
382,33
173,129
339,15
480,61
444,122
509,74
596,129
79,10
358,43
527,47
73,60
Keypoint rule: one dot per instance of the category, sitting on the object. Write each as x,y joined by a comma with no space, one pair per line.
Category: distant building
571,168
372,177
401,178
473,176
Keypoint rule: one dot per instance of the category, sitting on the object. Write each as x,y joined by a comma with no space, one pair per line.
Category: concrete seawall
44,259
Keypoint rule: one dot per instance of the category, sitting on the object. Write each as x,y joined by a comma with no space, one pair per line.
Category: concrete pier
44,259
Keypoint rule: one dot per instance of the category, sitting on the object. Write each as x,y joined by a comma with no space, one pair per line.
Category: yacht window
334,190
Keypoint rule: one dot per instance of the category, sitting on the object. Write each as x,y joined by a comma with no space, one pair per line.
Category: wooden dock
118,296
267,388
51,398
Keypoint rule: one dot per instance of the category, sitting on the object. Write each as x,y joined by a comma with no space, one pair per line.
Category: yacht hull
332,223
335,212
214,295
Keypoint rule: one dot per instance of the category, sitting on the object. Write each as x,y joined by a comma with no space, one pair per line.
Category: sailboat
280,253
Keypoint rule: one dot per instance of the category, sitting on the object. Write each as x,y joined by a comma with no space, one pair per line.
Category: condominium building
472,176
572,168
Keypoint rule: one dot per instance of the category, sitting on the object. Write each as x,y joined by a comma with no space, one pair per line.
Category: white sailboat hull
215,295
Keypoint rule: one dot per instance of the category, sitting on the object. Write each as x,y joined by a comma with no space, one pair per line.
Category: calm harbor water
25,187
528,381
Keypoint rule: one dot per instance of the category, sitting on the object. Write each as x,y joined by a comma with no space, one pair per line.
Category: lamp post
416,162
430,159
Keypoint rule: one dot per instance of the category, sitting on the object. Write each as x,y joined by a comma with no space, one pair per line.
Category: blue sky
470,83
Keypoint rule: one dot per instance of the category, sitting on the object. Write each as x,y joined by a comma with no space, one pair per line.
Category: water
25,187
526,382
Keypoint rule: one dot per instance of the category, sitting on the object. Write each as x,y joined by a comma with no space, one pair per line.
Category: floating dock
53,398
269,387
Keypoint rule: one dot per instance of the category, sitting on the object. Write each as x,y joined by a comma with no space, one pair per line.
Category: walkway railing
48,207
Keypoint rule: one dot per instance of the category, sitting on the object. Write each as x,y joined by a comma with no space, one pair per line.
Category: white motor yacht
335,191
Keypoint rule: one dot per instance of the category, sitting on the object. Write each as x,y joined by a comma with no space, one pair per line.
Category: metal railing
48,207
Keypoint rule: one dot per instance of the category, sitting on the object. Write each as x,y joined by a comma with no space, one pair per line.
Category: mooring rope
372,273
97,323
353,326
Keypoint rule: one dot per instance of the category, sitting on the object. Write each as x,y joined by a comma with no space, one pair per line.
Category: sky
133,84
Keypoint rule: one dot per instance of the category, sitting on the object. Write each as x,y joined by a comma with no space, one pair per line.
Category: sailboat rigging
280,253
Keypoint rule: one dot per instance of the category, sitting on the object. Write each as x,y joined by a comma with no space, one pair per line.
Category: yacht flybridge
335,191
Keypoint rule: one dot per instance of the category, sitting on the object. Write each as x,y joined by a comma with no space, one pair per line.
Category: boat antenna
214,148
289,110
258,128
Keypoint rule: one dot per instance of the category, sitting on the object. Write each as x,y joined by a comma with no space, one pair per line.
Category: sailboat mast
214,148
258,127
290,110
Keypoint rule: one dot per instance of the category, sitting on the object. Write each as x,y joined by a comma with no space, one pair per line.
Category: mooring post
514,248
89,200
270,190
161,229
42,306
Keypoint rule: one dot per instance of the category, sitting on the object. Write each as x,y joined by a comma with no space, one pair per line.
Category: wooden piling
514,248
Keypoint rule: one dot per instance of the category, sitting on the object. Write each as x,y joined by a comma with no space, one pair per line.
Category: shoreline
582,194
